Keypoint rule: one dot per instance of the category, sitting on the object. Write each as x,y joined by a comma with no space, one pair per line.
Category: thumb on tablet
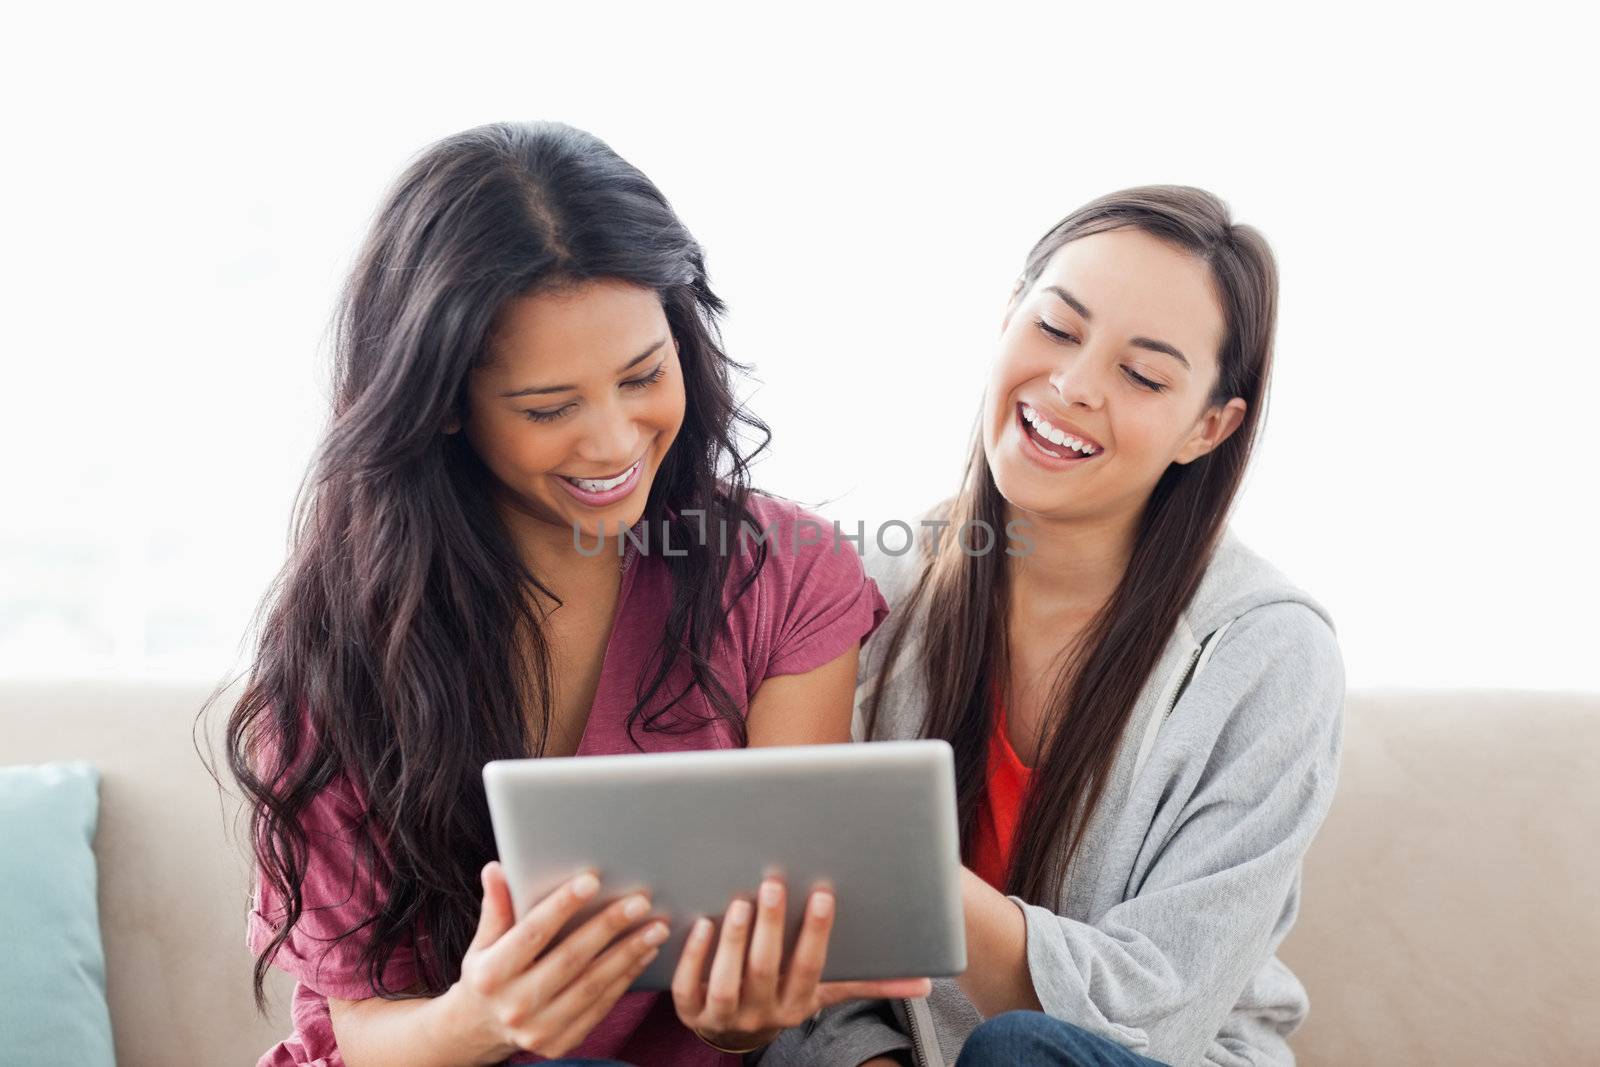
496,915
885,989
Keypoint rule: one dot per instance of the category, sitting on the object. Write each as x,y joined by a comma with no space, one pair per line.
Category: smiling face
1104,378
577,405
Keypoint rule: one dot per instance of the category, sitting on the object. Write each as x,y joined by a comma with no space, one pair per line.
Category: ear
458,414
1214,427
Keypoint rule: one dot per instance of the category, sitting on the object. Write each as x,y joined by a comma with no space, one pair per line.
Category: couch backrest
1451,904
1450,915
173,890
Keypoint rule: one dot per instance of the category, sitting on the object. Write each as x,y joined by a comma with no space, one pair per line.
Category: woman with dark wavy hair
527,367
1145,713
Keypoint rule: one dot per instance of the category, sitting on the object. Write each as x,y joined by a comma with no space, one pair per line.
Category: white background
186,187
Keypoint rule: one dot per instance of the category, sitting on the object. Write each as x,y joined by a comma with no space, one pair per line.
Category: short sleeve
337,896
822,602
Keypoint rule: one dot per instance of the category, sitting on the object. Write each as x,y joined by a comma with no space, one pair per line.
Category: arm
805,709
427,1032
997,978
1160,972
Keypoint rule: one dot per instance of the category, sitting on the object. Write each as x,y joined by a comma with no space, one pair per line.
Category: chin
1028,490
614,519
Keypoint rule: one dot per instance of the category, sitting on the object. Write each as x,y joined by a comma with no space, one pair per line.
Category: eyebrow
539,390
1138,342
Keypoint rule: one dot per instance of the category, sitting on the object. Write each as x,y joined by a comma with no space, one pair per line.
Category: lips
631,478
1048,454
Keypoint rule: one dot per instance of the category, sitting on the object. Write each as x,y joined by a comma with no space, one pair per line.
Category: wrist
735,1041
461,1015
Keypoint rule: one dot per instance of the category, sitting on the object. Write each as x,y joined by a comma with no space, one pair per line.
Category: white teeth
1054,435
590,485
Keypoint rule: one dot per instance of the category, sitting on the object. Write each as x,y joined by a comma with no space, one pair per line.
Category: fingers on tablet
686,977
593,995
727,967
811,949
762,969
607,976
590,939
533,933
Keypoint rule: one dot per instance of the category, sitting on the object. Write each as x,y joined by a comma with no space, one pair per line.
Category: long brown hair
964,597
388,650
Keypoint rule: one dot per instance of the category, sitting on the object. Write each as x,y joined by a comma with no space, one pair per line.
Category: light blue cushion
52,968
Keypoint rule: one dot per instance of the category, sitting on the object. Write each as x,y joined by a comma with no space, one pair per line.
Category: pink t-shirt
809,604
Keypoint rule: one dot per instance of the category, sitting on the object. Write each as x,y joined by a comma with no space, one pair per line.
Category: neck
550,553
1075,564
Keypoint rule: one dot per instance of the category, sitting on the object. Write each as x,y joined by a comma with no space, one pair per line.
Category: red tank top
1007,781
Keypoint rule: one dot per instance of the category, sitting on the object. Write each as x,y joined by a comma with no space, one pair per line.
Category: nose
610,439
1079,383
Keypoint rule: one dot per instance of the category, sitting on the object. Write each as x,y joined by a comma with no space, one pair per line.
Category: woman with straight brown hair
1146,716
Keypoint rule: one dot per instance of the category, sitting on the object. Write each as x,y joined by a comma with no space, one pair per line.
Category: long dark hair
398,645
964,598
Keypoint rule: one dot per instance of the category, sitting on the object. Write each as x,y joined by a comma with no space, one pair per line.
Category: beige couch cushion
1451,912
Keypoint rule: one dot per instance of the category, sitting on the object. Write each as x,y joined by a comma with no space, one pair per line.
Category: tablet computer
877,822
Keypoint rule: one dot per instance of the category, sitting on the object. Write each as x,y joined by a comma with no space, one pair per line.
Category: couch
1450,914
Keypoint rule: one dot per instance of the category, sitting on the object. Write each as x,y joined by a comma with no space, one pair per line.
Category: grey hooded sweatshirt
1162,934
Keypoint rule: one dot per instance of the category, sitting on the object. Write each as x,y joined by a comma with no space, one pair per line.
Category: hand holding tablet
873,824
747,1000
516,996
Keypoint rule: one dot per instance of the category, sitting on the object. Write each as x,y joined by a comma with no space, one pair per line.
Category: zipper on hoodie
1183,683
917,1057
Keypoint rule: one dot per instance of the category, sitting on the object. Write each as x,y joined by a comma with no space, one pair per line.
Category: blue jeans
1033,1037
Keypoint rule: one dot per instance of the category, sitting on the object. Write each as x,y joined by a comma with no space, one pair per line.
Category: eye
548,416
648,380
1055,334
1141,381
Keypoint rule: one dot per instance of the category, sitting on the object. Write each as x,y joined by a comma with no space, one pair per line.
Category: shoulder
1268,627
812,596
895,570
772,511
1282,636
897,559
1272,662
800,545
1274,683
1238,580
